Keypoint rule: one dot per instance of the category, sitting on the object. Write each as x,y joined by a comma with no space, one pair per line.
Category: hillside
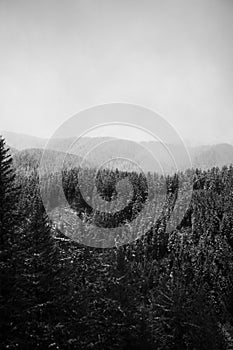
214,156
30,159
95,150
23,141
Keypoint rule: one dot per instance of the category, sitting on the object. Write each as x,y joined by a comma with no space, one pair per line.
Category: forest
163,289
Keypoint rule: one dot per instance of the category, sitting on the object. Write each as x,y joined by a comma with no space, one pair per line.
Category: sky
174,57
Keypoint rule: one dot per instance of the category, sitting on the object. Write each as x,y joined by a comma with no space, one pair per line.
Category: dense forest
165,289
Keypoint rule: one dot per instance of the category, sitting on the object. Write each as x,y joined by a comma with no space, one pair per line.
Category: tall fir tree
8,223
43,282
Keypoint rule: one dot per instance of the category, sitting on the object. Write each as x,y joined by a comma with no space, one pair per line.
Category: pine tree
44,282
8,224
37,279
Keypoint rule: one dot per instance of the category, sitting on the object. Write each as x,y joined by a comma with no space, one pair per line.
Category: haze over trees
203,156
164,290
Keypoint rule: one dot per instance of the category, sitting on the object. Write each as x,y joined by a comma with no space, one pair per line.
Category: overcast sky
175,57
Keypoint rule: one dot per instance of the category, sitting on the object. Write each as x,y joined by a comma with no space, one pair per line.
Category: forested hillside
165,289
203,157
29,159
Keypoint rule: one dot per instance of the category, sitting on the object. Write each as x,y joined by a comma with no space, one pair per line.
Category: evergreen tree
8,223
37,279
45,282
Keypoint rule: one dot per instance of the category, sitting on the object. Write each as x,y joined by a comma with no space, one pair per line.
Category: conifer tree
44,281
39,265
8,223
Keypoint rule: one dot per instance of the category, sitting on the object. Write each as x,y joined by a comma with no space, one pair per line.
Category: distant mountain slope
12,150
22,141
31,158
217,155
95,149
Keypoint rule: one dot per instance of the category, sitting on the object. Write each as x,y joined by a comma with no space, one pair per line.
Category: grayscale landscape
116,175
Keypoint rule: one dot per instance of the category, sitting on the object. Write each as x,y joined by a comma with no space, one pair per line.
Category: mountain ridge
204,157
